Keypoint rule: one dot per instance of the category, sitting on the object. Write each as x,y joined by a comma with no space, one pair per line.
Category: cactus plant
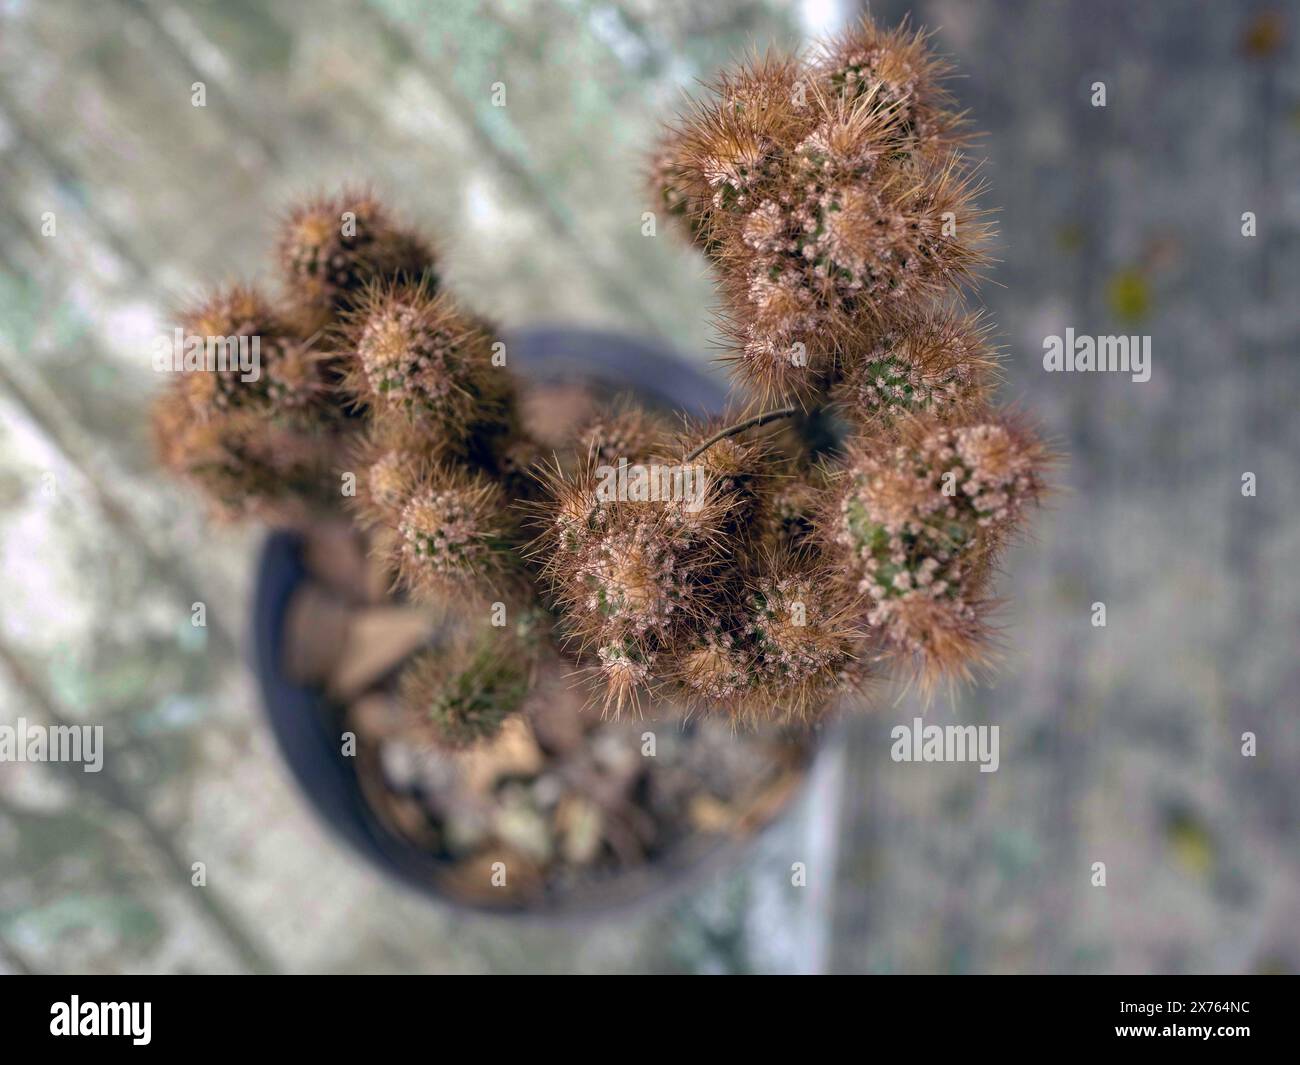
847,514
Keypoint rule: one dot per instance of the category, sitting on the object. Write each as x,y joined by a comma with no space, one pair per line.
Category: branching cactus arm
846,514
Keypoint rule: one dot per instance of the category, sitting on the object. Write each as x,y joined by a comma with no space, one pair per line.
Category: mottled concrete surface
1119,745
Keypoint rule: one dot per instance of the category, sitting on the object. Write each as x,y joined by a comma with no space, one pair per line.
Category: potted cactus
550,617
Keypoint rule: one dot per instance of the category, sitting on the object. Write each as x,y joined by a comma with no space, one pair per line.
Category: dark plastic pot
304,728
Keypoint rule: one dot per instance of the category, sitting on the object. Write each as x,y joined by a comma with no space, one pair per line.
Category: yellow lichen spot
1129,296
1190,845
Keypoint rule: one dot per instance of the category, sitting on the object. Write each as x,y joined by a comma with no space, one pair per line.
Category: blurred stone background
1119,744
